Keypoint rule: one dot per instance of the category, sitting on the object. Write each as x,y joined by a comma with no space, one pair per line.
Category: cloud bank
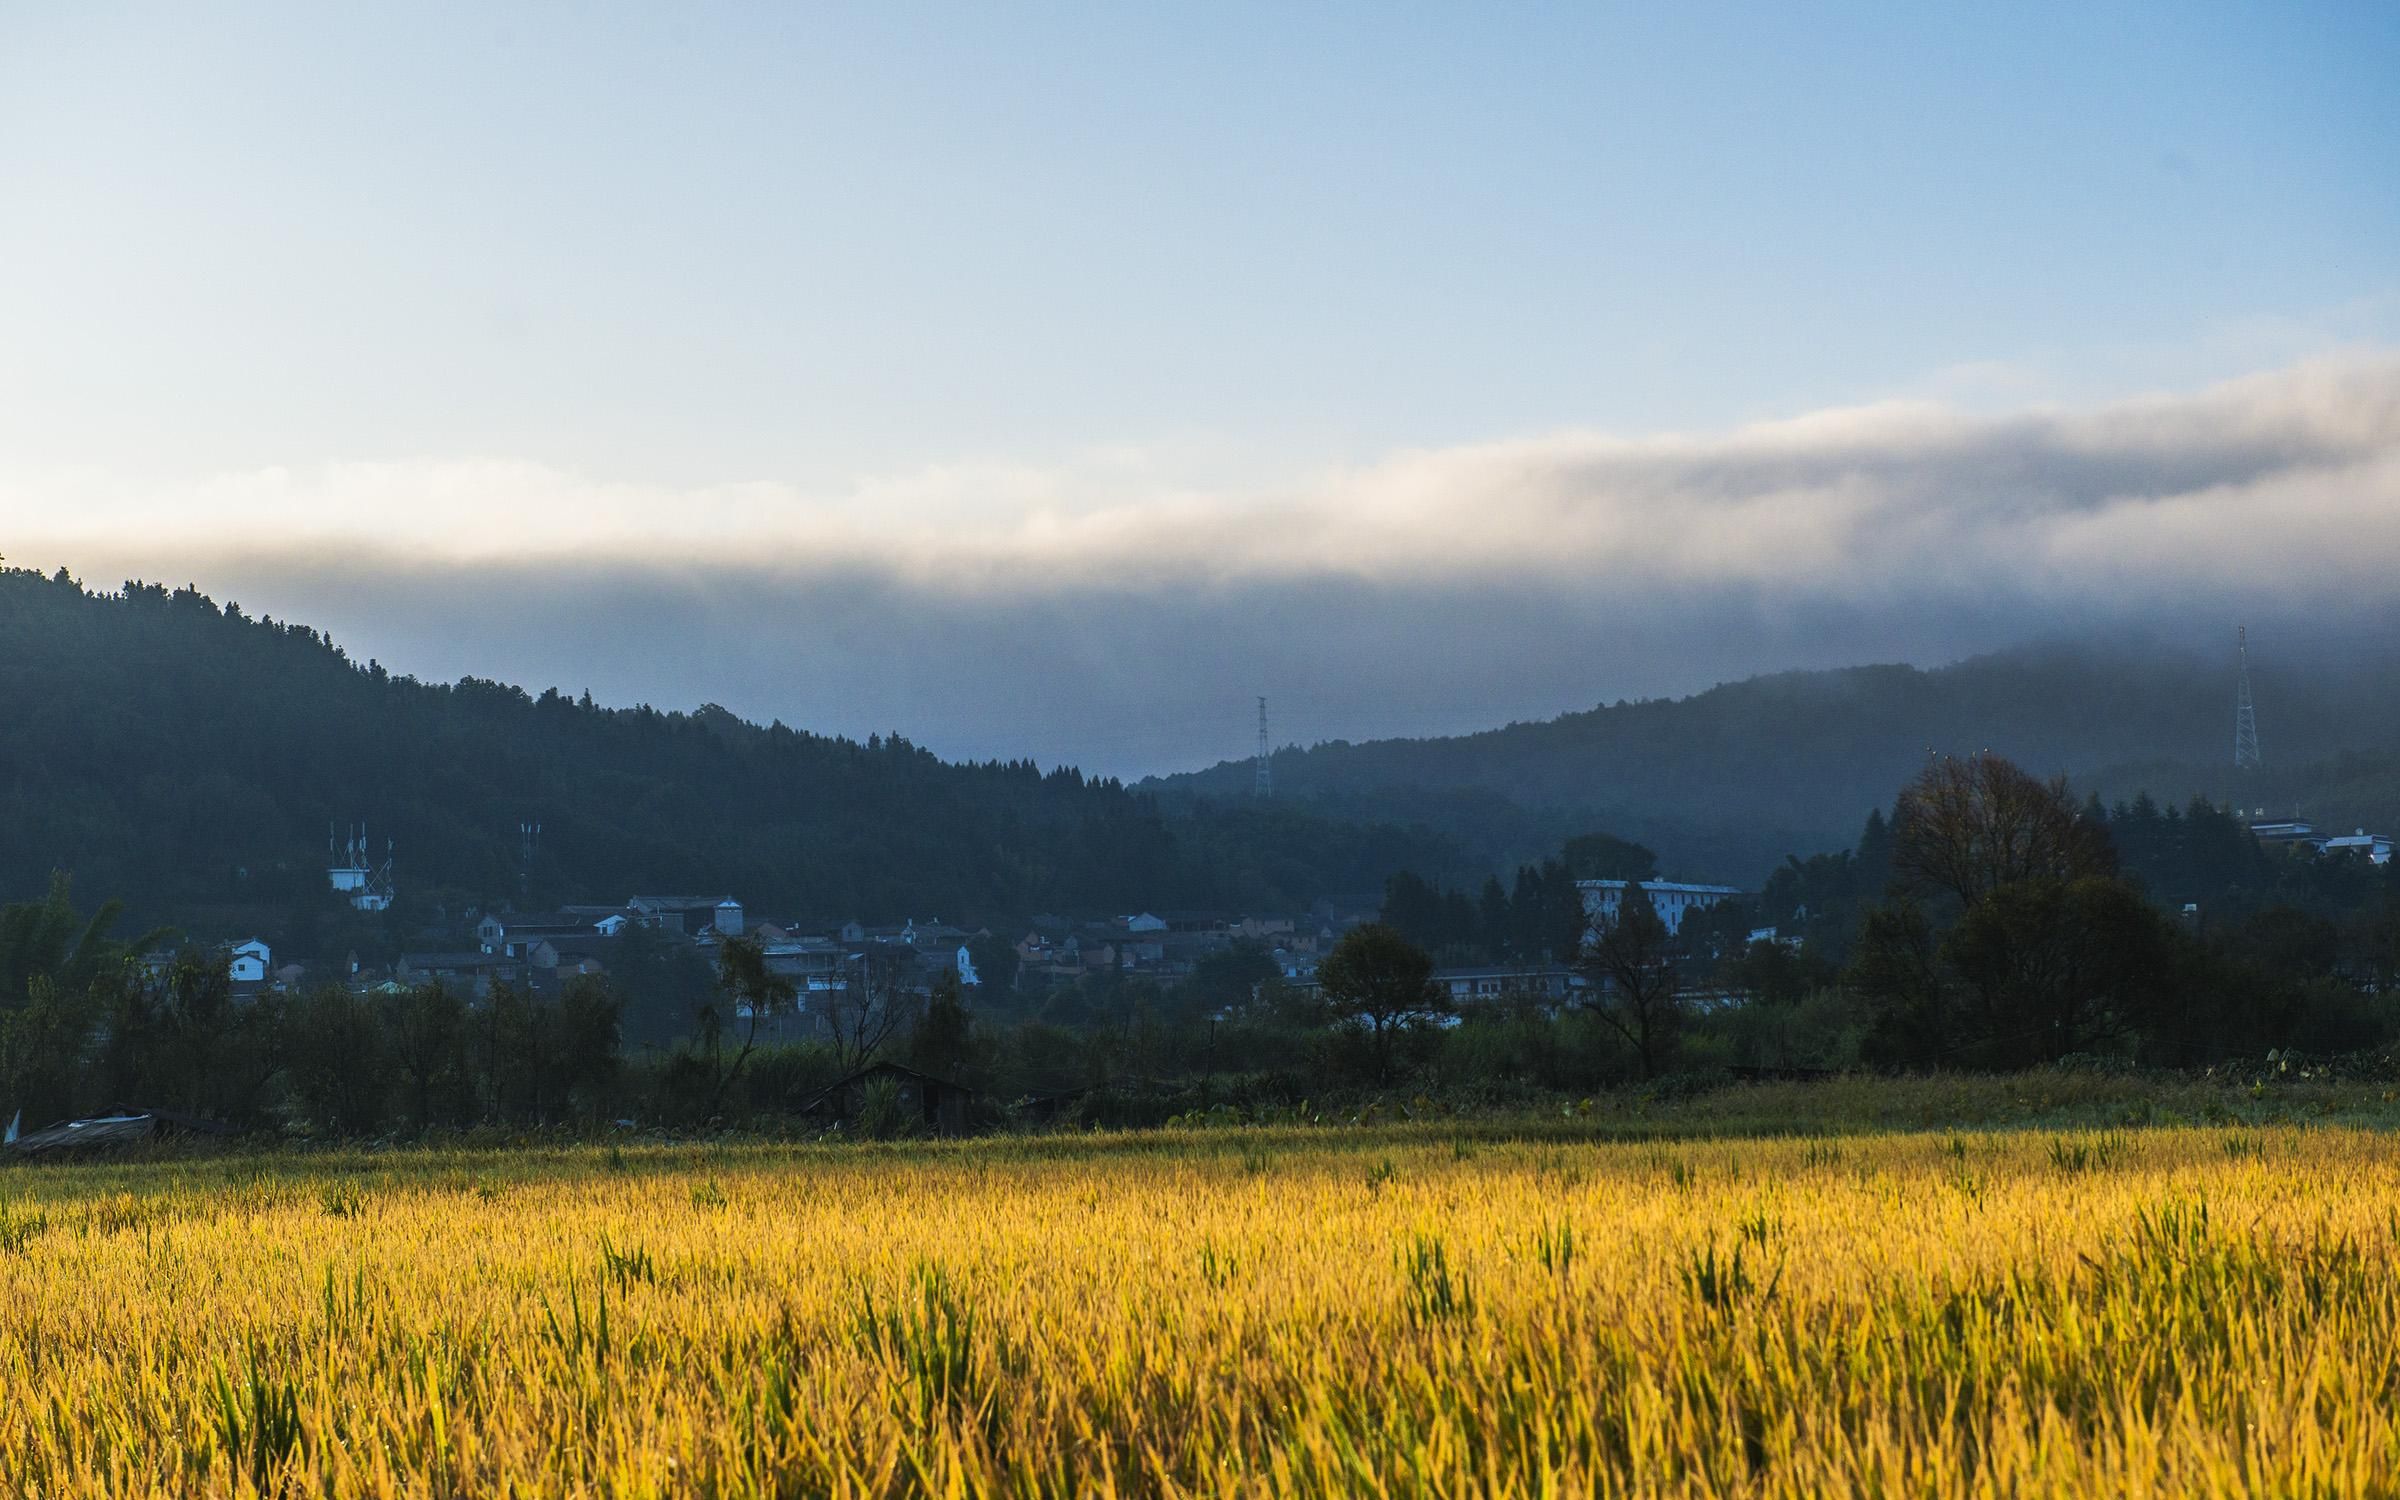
1115,611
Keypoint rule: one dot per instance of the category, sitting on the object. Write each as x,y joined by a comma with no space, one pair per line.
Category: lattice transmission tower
1263,772
2245,717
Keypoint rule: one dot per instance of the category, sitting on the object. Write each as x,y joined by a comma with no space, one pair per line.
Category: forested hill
188,760
1724,783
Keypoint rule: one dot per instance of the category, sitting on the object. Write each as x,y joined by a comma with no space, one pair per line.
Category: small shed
121,1126
940,1104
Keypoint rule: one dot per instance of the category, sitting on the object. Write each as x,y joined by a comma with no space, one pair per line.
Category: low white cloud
1111,607
2287,474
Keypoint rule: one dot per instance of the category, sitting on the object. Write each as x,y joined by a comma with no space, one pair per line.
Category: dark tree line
190,759
2019,928
1733,778
1989,922
1536,919
87,1022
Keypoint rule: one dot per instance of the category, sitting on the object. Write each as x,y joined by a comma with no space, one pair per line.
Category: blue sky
475,286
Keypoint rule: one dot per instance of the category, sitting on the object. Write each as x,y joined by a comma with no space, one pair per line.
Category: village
542,951
900,964
830,970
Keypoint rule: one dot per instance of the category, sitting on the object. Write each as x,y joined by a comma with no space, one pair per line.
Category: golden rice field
2175,1311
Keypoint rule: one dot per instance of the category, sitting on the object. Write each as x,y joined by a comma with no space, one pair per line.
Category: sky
1052,381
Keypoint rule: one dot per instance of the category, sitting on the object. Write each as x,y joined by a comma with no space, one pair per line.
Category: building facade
1674,900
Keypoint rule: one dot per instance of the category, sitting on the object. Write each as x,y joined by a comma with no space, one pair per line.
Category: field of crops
2168,1311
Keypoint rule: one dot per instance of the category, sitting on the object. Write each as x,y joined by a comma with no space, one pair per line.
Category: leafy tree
1895,971
867,1009
1634,987
337,1062
664,983
192,756
41,1038
1377,977
752,993
1967,827
1778,973
1413,907
47,939
1824,897
1546,914
178,1039
1527,942
513,1056
943,1041
2378,941
2058,967
426,1030
2285,940
996,963
1229,977
1603,856
1495,924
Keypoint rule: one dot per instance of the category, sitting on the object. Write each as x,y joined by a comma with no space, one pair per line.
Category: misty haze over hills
1725,782
817,367
1119,613
188,757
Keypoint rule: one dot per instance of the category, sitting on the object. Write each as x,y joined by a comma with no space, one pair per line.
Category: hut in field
936,1106
122,1126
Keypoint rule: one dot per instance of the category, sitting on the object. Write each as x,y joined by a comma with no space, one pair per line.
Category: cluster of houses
2374,848
1168,945
543,951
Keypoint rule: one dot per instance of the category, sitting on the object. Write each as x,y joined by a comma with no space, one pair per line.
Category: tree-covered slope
1724,783
188,759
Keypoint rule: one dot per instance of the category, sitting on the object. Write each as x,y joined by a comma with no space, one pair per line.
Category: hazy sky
1051,380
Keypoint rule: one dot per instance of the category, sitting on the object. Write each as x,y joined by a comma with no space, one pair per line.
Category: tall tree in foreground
427,1030
2057,967
1896,972
753,993
867,1010
1629,960
943,1041
1382,980
1967,827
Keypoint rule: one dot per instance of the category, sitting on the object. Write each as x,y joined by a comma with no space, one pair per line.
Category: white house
2292,832
719,914
1500,982
249,960
2372,847
1672,899
966,967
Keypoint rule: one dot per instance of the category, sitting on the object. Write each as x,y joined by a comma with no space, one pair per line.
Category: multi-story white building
1673,899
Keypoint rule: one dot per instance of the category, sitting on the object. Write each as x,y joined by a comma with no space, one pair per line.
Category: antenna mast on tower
1264,782
2245,718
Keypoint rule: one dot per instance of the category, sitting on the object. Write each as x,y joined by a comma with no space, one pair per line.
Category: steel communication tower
1264,783
529,845
2245,718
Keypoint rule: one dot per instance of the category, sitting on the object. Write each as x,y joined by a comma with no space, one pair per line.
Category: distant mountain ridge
188,760
1725,782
